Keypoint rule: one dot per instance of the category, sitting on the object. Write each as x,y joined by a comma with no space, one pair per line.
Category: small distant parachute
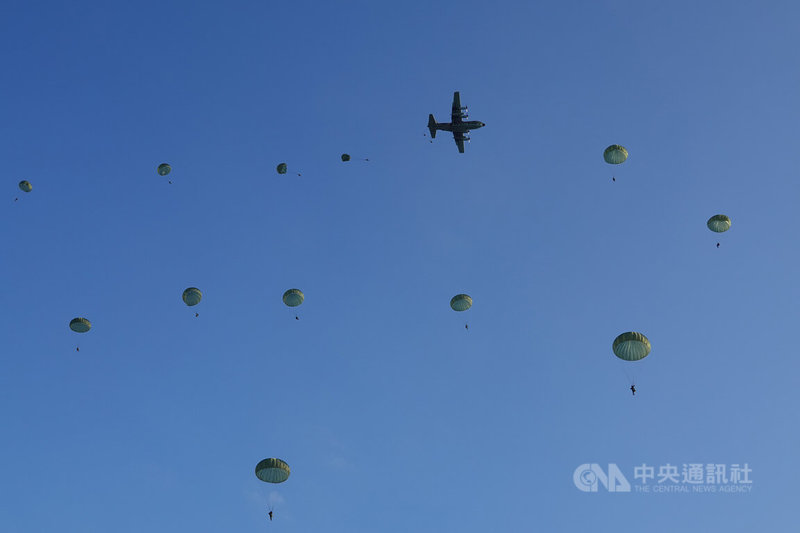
615,154
346,158
164,169
283,168
293,297
80,325
631,346
25,186
719,223
272,470
461,302
192,296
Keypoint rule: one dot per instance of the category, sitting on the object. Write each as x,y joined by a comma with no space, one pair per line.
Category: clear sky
394,417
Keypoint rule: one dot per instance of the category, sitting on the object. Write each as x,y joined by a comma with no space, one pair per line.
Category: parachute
25,186
192,296
615,154
346,158
293,297
461,302
283,168
80,325
164,169
631,346
719,223
272,470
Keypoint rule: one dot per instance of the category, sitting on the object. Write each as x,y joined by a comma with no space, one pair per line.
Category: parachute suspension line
631,378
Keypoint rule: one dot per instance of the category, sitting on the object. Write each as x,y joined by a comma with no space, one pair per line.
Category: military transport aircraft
459,128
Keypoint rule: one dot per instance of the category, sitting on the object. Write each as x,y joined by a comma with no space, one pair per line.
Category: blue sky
392,416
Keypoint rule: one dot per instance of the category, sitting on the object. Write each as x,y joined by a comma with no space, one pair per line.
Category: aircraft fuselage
461,127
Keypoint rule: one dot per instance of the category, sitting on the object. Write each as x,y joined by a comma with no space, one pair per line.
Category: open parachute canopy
282,168
461,302
345,157
272,470
164,169
25,186
192,296
631,346
293,297
615,154
80,325
719,223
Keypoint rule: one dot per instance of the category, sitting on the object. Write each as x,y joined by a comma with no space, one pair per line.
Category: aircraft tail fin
432,126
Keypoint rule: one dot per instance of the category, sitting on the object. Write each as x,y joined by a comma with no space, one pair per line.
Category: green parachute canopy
293,297
615,154
719,223
345,157
25,185
192,296
80,325
164,169
282,168
631,346
461,302
272,470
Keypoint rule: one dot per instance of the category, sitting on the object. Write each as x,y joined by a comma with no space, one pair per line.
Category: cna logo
588,477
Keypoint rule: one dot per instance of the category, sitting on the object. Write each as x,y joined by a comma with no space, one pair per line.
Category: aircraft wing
456,113
459,138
